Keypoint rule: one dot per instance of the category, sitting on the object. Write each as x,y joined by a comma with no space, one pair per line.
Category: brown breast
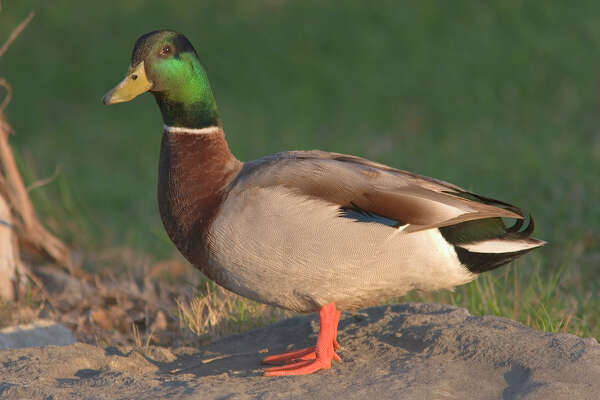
194,174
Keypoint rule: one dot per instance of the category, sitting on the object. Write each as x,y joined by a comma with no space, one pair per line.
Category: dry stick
16,32
9,254
43,181
217,358
32,230
11,188
7,95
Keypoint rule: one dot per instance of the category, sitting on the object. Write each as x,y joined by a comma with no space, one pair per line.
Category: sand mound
408,351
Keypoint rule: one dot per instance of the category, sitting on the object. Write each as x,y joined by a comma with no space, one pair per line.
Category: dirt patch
401,351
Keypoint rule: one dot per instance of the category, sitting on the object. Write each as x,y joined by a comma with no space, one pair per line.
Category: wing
353,182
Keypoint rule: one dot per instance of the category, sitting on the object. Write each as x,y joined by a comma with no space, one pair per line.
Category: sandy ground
408,351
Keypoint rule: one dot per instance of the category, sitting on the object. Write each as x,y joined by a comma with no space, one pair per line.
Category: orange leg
314,358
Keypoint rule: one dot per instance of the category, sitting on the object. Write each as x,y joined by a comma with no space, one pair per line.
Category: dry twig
23,221
30,231
16,32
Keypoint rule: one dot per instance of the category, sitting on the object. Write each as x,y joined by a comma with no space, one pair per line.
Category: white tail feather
501,246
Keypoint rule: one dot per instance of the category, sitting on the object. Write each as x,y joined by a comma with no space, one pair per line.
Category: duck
306,231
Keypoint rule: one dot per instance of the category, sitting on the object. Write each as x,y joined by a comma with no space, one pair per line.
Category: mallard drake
306,230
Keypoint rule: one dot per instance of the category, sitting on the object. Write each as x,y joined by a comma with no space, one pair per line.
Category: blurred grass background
502,99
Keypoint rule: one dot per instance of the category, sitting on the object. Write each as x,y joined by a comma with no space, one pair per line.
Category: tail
483,245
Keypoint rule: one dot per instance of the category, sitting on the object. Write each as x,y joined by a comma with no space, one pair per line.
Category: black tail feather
472,232
482,262
515,228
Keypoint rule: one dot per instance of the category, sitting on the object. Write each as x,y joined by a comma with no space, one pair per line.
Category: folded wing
348,181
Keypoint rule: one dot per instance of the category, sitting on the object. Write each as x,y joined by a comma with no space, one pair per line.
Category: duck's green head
166,64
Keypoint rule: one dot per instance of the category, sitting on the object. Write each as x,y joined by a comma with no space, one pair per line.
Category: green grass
536,298
501,99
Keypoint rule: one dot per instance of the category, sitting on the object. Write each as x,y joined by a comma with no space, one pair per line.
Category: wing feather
348,181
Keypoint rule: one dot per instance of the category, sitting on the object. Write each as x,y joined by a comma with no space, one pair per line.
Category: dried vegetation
40,276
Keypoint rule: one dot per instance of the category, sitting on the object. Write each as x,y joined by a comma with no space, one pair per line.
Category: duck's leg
308,353
314,358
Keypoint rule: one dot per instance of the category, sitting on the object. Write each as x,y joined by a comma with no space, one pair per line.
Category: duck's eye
165,51
133,77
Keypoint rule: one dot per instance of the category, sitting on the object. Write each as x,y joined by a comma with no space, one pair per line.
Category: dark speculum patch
361,215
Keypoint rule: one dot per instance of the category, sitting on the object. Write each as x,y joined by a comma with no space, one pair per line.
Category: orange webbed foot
314,358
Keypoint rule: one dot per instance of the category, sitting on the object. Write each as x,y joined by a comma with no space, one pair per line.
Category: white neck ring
192,131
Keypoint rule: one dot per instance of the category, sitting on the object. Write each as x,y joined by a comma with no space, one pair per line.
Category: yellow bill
134,84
